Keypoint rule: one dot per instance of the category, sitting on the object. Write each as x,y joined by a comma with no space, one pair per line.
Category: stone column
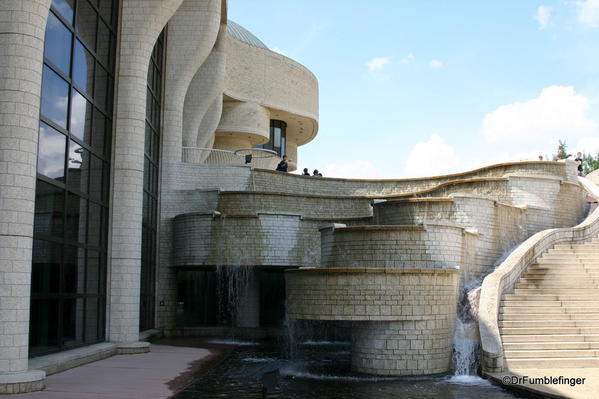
191,37
142,22
205,88
22,29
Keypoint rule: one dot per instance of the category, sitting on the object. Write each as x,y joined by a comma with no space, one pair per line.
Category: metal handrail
258,157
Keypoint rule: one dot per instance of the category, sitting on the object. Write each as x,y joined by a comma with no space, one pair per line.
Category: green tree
562,151
590,163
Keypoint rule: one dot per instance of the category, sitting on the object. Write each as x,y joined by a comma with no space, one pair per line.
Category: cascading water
233,281
466,341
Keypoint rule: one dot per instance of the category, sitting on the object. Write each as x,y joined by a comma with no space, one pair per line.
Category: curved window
68,282
278,137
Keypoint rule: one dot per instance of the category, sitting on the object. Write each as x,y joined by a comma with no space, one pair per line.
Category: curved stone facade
404,318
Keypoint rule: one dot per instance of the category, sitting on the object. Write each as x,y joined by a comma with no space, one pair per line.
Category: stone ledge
372,270
24,382
133,348
57,362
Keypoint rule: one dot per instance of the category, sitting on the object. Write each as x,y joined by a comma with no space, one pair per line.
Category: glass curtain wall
68,283
278,138
149,242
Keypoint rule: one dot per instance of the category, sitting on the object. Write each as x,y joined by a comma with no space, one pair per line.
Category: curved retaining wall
313,206
495,227
406,315
244,178
504,278
266,180
200,239
429,247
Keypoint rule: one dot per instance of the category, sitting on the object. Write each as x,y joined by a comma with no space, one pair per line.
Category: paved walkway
157,374
587,390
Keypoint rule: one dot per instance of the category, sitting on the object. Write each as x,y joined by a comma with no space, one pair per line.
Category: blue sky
416,88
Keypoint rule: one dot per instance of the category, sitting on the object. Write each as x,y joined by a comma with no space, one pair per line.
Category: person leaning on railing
283,165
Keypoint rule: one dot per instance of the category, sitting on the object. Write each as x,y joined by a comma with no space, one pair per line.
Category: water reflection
323,371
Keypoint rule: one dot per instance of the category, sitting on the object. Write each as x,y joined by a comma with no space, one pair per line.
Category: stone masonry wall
405,316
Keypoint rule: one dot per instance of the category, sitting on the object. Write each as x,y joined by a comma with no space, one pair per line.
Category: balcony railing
254,157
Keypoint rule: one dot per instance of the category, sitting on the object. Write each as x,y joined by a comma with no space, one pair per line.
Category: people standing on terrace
306,172
283,165
578,160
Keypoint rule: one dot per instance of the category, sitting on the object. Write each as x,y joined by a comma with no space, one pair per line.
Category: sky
420,88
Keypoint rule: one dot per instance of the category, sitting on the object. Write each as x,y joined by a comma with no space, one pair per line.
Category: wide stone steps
526,317
527,338
551,320
558,345
552,363
548,310
553,353
555,291
549,303
548,330
549,297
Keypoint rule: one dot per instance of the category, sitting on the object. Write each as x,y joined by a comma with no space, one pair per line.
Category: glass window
96,179
51,152
106,9
86,23
278,137
94,232
76,218
45,278
73,317
43,326
81,117
104,44
93,275
74,270
65,8
55,98
83,68
102,84
71,209
58,48
49,209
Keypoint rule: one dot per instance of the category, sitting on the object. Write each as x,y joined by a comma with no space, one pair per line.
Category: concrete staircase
552,318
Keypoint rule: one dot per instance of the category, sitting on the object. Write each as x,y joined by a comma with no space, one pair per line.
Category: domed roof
241,33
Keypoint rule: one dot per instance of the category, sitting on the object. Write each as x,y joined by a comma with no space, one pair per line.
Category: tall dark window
151,170
68,283
278,137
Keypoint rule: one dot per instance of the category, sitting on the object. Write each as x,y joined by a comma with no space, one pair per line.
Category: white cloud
543,16
588,145
359,169
407,59
431,158
436,64
588,13
377,64
557,113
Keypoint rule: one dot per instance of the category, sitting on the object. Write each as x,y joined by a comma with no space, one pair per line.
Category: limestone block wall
252,240
494,227
410,247
265,180
333,208
403,317
257,75
246,123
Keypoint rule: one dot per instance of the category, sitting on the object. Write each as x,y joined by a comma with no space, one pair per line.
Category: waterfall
466,339
233,281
